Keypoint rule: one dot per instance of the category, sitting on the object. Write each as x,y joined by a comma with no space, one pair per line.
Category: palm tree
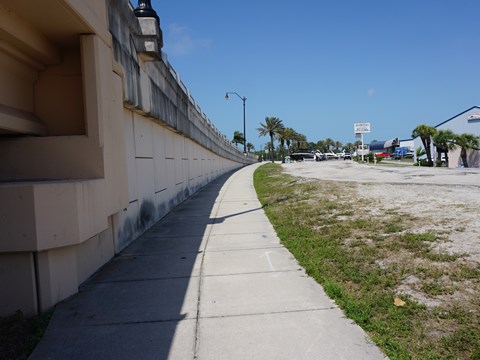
282,138
301,141
328,143
238,138
425,133
419,152
443,141
250,147
320,145
337,145
289,135
466,142
271,127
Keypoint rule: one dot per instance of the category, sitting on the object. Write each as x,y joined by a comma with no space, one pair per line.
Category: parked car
383,154
347,156
301,156
331,155
319,156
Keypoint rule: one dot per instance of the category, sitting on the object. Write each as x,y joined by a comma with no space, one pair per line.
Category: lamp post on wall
243,98
145,9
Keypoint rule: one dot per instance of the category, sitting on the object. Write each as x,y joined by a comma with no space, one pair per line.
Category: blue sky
321,66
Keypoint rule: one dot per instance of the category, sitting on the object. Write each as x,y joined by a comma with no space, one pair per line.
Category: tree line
292,141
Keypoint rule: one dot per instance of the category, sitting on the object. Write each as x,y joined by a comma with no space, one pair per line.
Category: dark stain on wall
147,215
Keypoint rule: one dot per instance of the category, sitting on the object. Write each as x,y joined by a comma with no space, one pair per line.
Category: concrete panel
135,301
57,274
149,341
179,231
169,144
252,294
240,241
126,226
170,170
308,335
17,218
159,156
147,245
143,132
94,253
91,204
130,155
248,261
146,192
145,179
117,192
242,228
161,204
18,284
56,212
150,267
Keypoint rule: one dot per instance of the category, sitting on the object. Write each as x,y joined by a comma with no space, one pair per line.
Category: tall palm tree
271,127
282,137
289,135
425,133
238,138
443,141
466,142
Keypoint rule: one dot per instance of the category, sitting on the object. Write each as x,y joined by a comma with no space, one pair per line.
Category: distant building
408,143
467,121
384,146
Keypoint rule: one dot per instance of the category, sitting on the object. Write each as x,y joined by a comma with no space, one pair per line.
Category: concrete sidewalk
209,281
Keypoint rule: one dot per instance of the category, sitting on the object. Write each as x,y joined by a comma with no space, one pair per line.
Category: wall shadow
143,303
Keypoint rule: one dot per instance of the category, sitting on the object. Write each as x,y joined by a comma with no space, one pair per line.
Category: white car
331,155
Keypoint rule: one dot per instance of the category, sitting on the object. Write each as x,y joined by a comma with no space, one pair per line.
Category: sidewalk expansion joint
280,246
270,313
255,272
141,322
148,279
166,253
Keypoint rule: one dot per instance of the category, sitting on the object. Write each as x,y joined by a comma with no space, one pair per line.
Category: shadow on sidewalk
143,303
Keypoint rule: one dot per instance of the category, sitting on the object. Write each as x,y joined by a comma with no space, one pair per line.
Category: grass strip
362,260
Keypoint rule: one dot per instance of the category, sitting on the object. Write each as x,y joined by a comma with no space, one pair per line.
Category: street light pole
243,98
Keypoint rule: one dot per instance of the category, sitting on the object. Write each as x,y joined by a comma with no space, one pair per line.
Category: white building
467,121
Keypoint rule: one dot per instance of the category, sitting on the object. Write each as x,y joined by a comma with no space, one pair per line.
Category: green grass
342,252
19,334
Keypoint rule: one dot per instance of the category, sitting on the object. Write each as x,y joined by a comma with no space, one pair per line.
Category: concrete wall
99,139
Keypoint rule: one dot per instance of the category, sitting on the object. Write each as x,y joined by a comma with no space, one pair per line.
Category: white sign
474,117
361,128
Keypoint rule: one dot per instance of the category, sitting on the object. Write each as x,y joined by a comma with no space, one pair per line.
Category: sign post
361,128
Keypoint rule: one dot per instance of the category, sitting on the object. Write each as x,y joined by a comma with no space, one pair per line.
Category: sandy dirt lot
448,200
